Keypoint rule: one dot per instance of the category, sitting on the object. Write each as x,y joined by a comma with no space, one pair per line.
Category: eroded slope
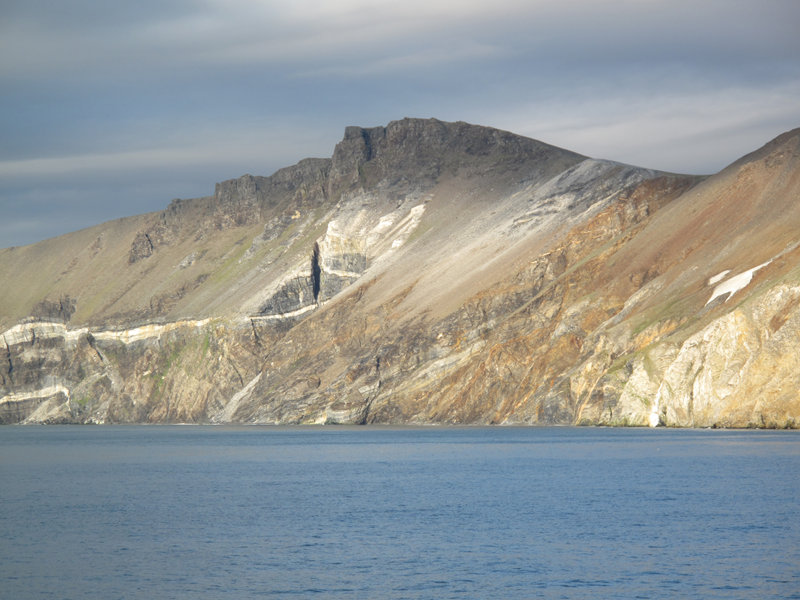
428,272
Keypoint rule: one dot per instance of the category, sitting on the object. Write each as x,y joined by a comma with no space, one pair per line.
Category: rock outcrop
428,272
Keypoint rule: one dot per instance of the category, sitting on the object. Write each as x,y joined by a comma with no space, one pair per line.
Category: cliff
428,272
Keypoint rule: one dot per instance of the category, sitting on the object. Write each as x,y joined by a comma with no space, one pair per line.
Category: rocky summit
428,272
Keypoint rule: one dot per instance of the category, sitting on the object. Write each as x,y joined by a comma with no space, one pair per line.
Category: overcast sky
112,108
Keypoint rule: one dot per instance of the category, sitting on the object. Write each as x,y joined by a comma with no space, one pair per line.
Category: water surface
251,512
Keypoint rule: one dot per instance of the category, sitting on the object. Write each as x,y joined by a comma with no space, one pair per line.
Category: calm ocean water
250,512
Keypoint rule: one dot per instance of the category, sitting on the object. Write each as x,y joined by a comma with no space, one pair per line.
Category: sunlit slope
221,255
427,272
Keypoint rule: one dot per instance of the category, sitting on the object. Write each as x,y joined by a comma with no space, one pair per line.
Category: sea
160,512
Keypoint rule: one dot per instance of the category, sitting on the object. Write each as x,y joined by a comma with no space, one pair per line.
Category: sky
109,109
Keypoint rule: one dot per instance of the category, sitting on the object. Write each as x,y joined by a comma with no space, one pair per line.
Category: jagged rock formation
427,272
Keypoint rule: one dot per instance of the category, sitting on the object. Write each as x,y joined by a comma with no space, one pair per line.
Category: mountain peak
419,151
785,147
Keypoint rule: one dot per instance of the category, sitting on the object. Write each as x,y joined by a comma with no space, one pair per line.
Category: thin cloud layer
682,131
97,91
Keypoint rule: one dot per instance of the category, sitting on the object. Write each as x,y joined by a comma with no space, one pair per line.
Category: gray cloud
146,101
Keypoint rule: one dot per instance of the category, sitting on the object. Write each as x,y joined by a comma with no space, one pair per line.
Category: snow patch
719,277
735,283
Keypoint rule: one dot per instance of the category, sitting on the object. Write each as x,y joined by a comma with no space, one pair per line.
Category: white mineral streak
340,273
406,227
226,415
286,315
441,367
397,226
575,194
343,238
350,234
734,284
44,392
41,330
128,336
384,224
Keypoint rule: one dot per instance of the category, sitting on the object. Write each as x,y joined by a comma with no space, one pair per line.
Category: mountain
428,272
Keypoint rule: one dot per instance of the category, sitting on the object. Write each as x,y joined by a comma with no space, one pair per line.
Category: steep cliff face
428,272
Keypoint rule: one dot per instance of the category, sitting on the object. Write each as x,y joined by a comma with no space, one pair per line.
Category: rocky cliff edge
428,272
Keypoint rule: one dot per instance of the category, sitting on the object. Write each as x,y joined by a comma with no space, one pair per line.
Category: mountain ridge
428,272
